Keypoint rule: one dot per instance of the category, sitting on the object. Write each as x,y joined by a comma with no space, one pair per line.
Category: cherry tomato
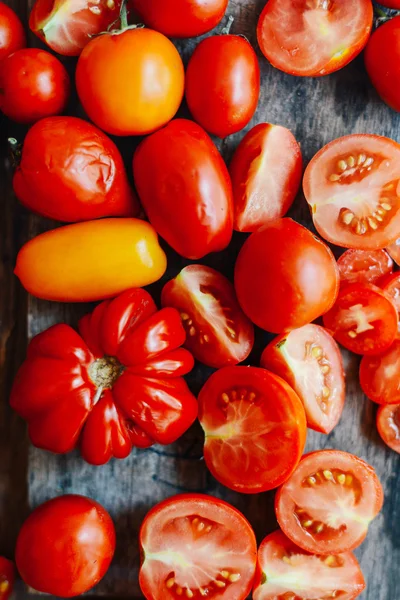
380,375
388,423
316,37
223,84
7,577
286,571
255,428
394,251
328,503
364,266
218,332
351,187
195,545
12,35
65,546
91,260
266,172
285,277
391,286
309,360
181,162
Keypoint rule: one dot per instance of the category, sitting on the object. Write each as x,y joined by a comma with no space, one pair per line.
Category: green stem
123,15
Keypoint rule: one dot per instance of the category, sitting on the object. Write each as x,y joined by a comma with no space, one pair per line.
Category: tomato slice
353,188
364,266
388,423
255,428
380,375
195,545
328,503
7,578
391,286
313,37
364,320
309,360
286,571
394,251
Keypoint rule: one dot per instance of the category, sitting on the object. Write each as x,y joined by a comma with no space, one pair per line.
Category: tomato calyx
15,151
123,21
104,372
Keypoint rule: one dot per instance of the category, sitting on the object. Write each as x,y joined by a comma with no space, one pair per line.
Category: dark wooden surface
317,111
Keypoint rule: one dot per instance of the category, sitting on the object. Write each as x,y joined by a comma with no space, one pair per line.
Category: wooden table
317,111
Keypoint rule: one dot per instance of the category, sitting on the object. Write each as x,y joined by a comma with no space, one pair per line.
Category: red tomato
391,286
390,3
12,35
380,375
65,546
115,386
388,423
364,320
285,277
286,571
255,428
364,266
328,503
394,251
266,172
351,186
87,179
309,360
312,38
185,189
7,577
195,545
218,333
223,84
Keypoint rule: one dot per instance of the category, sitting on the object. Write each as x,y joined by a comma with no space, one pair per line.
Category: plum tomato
388,423
309,360
7,577
285,277
391,286
353,188
255,428
364,266
326,506
380,375
394,251
266,171
12,34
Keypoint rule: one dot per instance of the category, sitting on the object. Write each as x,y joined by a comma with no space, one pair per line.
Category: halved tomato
391,286
194,545
309,360
388,423
364,266
353,188
394,251
218,331
363,319
380,375
255,428
328,503
285,571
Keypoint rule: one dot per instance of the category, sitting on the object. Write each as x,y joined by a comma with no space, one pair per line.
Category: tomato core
105,371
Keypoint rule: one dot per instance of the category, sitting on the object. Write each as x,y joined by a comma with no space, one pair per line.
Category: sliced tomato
309,360
364,266
328,503
388,423
285,571
394,251
255,428
193,546
380,375
364,319
353,188
218,331
391,286
313,37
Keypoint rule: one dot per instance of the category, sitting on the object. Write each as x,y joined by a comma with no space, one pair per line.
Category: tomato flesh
391,286
364,266
380,375
394,251
388,423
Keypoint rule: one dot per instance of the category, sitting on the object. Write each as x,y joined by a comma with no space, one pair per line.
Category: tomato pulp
380,375
388,423
364,266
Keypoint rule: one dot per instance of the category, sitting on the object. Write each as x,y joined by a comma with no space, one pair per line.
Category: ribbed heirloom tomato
7,577
12,35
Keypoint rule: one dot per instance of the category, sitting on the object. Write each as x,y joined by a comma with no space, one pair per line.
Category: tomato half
313,37
364,319
195,545
388,423
218,333
380,375
309,360
352,187
394,251
391,286
7,578
12,34
285,571
255,428
364,266
266,172
328,503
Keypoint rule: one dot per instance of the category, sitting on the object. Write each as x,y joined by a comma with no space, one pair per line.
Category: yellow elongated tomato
91,261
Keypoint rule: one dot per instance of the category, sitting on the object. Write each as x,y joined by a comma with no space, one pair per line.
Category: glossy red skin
57,393
7,578
390,3
394,251
33,85
185,189
12,34
65,546
223,84
388,423
378,385
275,287
391,286
364,266
87,179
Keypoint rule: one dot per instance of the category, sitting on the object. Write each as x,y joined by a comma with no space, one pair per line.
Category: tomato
391,286
328,503
12,35
130,82
91,260
313,37
7,577
388,423
87,179
351,187
266,172
380,375
364,266
255,428
394,251
181,164
223,84
309,360
285,277
286,571
194,544
390,3
65,546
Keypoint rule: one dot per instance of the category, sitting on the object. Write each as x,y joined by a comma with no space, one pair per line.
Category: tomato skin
390,3
364,266
7,578
285,277
380,377
12,34
394,251
388,423
181,159
390,284
65,546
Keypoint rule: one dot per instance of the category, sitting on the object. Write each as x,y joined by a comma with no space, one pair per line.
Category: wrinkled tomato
364,266
12,35
388,423
7,577
380,375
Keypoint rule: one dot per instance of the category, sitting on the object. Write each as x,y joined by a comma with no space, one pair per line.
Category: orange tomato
90,261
